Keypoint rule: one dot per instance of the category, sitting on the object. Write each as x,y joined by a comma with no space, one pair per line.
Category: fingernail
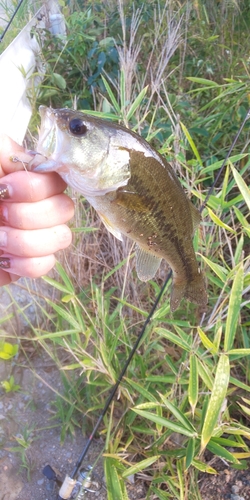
3,239
4,263
4,192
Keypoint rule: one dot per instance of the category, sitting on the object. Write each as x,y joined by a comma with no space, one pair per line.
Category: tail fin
194,291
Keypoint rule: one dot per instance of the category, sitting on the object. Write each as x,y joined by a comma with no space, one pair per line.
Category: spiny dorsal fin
195,214
146,264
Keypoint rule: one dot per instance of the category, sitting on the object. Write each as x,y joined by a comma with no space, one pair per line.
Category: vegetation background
178,74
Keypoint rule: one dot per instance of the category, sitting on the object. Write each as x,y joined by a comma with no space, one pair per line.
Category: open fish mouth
52,133
51,144
47,143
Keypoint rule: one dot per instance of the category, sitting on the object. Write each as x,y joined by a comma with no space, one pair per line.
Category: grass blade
136,103
111,96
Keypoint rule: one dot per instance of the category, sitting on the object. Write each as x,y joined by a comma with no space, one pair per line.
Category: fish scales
134,190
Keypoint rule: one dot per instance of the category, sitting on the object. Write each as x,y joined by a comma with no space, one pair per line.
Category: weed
24,441
10,385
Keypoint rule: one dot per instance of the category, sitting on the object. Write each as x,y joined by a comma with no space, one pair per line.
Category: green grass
187,388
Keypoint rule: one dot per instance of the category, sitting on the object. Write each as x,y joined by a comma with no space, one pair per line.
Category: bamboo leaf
234,309
140,466
245,409
191,143
218,395
193,383
240,384
202,81
178,414
205,374
175,339
220,271
115,486
181,476
203,467
141,390
242,220
222,452
239,352
219,222
190,452
165,423
244,189
206,341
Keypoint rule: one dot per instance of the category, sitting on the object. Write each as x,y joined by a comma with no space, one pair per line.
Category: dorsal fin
195,214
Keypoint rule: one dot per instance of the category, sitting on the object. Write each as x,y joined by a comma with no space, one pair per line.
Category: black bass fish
134,190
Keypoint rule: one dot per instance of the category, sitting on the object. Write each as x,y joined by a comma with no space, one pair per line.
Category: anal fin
146,264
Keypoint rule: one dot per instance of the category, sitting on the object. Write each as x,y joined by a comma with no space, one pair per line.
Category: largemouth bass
134,190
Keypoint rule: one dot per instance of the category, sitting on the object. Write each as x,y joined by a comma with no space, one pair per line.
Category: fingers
7,278
14,267
35,243
33,213
46,213
30,187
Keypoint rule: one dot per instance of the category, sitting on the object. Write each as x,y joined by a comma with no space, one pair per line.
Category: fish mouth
47,143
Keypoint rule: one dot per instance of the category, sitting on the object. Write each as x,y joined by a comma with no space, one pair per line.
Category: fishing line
70,481
11,20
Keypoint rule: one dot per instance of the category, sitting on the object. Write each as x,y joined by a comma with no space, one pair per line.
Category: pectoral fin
131,200
146,264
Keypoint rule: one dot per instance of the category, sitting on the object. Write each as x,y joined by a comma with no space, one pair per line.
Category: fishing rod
80,480
11,20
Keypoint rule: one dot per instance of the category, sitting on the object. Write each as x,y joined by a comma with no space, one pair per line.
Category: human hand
33,212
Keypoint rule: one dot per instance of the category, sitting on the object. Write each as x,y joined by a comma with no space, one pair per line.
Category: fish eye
77,127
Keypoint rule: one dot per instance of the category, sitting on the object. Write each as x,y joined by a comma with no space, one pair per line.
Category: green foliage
10,385
24,441
7,350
